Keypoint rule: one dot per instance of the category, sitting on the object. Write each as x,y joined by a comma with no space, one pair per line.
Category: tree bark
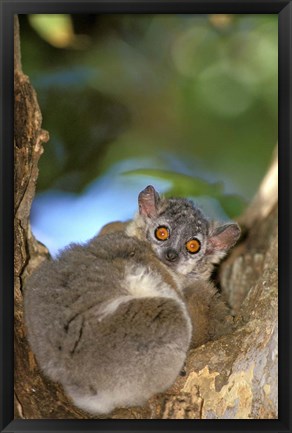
233,377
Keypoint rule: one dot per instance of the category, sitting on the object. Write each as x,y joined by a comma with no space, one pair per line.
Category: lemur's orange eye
162,233
193,246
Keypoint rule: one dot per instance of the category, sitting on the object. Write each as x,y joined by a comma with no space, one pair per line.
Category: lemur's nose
171,255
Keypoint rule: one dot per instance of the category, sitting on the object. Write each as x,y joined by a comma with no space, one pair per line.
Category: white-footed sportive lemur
112,319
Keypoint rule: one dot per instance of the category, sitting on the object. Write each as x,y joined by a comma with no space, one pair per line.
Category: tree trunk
233,377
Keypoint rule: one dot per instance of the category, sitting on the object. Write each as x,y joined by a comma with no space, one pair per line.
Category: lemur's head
181,235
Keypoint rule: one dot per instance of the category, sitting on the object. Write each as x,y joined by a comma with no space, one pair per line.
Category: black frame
10,7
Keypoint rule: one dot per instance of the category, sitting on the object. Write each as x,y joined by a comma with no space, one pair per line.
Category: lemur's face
178,235
181,236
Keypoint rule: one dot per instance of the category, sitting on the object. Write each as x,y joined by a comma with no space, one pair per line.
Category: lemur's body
112,319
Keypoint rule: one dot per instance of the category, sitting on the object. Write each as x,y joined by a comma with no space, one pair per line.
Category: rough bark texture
233,377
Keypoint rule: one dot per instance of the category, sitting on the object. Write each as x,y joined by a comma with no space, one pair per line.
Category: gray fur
105,354
208,310
112,320
185,221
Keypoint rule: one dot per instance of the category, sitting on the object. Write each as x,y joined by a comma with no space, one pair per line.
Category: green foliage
55,29
201,89
189,186
181,183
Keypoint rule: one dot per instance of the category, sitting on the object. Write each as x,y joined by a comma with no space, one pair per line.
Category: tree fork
233,377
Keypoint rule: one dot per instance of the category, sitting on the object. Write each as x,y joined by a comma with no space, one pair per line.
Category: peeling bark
35,396
233,377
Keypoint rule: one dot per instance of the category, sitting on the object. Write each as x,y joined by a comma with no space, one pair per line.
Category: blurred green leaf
183,185
56,29
233,205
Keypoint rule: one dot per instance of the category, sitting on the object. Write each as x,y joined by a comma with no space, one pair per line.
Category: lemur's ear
223,238
148,200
